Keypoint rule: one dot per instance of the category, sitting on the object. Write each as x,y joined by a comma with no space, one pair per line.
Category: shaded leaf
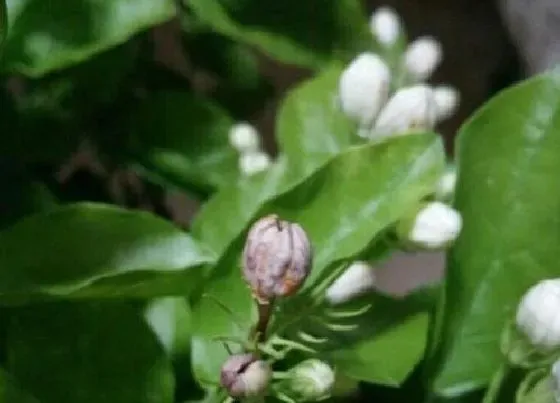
97,251
304,33
184,140
88,352
11,391
38,42
509,196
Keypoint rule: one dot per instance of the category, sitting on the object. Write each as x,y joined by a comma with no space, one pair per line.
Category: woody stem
265,313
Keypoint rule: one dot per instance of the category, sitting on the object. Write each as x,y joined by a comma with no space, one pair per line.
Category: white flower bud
445,188
422,57
364,87
385,25
254,162
446,100
311,380
538,314
356,280
409,109
435,226
244,138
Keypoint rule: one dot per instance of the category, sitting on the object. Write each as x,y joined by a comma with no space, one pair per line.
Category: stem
265,313
496,383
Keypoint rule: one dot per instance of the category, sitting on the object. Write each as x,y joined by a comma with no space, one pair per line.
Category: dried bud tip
244,375
276,259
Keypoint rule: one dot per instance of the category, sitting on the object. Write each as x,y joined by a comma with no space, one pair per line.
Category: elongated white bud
445,188
364,87
422,57
435,226
538,314
311,380
244,138
254,162
356,280
385,25
410,109
446,100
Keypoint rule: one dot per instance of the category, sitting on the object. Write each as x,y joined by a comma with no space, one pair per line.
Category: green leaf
184,140
307,33
45,37
88,352
509,196
384,344
11,391
311,126
343,207
3,24
310,129
97,251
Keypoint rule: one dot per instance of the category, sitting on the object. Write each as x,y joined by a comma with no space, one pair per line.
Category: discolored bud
277,258
244,375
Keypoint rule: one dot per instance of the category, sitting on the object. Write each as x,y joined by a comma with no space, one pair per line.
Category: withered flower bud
244,375
277,258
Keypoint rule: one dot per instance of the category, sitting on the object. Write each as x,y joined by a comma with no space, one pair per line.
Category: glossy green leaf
343,207
310,130
97,251
509,195
3,24
88,352
184,140
303,33
43,37
311,126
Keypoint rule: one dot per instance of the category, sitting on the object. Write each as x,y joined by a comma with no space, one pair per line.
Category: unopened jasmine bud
364,87
538,316
252,163
385,25
276,259
311,380
445,188
446,101
356,280
435,226
244,138
422,57
245,376
409,109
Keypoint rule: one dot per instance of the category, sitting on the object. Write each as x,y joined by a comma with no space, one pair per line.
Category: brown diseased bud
244,375
277,258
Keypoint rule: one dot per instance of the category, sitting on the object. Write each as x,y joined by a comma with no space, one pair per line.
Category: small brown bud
277,258
244,375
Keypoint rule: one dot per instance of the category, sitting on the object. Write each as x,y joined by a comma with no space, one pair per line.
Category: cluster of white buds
364,85
356,280
538,315
434,226
252,158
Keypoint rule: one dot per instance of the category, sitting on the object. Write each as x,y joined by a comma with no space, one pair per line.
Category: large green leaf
184,140
304,33
310,129
343,207
509,195
88,352
11,391
97,251
3,24
45,36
